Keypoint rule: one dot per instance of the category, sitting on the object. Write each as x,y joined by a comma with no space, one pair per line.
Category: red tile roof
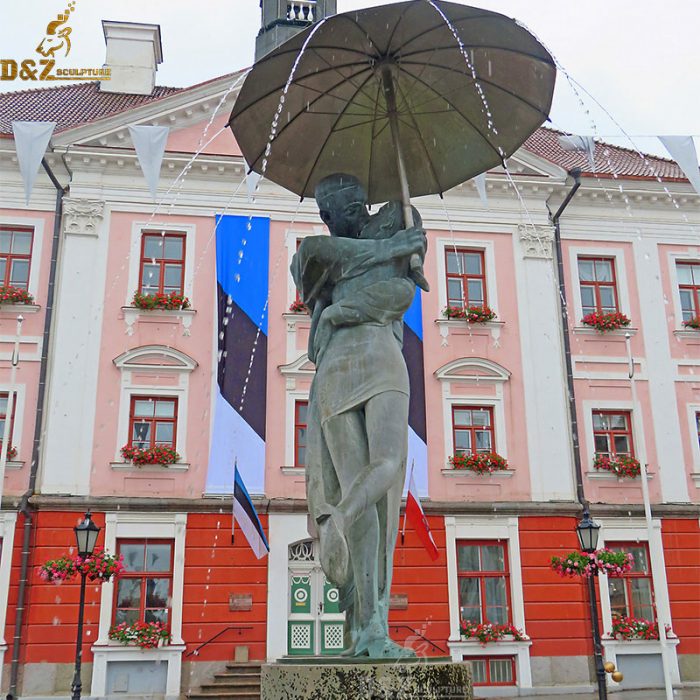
73,105
70,105
609,160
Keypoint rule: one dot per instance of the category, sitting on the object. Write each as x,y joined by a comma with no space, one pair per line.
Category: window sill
111,647
695,476
133,314
689,334
16,309
457,473
639,646
608,476
14,465
473,647
131,467
479,329
294,319
617,333
294,471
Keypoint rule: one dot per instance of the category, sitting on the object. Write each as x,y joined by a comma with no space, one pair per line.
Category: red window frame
9,257
3,416
144,576
627,581
483,575
697,425
473,429
597,285
610,434
486,660
464,277
161,262
693,289
152,420
299,426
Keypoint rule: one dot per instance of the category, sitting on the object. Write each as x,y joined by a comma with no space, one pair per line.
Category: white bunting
570,142
31,140
251,180
682,150
480,182
149,142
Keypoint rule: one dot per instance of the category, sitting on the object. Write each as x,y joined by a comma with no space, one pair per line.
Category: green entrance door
315,623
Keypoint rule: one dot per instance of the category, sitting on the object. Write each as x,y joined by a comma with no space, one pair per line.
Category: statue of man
358,284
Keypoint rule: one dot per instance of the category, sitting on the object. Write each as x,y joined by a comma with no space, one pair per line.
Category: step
225,679
237,674
231,685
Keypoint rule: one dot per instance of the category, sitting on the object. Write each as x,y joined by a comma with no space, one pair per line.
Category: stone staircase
240,681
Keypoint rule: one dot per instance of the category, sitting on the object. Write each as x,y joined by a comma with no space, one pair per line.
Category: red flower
480,462
605,322
471,314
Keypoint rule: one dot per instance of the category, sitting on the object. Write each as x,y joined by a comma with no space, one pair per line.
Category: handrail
239,628
416,632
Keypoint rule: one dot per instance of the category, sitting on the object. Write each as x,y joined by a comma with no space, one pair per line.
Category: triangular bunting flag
251,180
31,140
480,182
149,142
569,142
682,150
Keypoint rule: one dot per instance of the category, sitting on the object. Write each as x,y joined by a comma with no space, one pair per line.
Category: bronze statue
358,284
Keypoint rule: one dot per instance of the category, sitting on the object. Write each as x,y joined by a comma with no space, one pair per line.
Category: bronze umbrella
415,97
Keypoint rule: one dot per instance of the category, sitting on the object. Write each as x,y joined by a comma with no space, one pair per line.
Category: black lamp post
587,531
86,538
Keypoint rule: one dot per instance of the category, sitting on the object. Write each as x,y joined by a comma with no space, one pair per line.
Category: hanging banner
149,142
682,150
31,141
586,144
480,182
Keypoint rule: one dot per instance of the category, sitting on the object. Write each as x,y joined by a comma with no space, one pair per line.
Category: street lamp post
587,531
86,537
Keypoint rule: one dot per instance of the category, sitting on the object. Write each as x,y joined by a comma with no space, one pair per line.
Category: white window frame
128,364
137,230
675,257
488,249
635,531
618,255
8,521
20,391
37,245
635,411
293,372
126,525
694,409
497,376
479,528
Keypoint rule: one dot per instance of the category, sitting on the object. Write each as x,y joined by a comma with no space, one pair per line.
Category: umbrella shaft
392,113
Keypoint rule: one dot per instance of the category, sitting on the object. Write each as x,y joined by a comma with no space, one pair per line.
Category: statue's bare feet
335,556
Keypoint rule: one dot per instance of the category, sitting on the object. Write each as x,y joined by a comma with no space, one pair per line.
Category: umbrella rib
490,47
279,88
332,131
466,119
422,143
374,136
483,81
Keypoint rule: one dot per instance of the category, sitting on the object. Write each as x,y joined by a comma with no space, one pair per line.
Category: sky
639,59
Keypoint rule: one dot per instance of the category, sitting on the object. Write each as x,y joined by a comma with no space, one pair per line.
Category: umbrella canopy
302,115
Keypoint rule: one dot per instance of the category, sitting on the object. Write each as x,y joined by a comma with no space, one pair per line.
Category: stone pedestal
342,679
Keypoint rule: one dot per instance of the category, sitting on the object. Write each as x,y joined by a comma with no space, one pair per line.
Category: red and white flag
414,513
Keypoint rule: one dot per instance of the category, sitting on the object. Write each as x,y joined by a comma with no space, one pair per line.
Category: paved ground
685,694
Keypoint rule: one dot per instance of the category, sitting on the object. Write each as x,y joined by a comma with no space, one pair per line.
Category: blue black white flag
248,520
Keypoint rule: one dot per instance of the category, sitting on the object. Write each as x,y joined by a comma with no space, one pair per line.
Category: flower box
298,307
166,302
605,322
626,628
486,632
11,452
480,462
160,454
692,323
470,314
603,561
621,466
146,635
15,295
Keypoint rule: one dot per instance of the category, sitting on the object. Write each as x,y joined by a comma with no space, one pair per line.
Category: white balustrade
302,10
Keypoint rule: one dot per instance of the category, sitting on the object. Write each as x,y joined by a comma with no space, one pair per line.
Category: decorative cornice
82,217
536,241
